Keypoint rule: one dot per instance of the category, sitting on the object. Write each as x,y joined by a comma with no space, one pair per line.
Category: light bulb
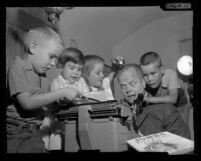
185,65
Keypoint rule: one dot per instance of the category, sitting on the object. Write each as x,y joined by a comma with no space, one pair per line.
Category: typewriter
97,110
95,125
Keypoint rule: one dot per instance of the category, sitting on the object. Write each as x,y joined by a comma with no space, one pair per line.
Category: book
162,142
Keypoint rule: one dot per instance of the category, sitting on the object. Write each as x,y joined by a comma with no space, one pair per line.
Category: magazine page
162,142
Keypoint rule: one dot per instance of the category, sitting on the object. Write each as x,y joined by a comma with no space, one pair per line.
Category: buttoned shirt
60,82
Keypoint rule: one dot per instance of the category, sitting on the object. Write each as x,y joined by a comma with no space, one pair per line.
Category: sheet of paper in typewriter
100,95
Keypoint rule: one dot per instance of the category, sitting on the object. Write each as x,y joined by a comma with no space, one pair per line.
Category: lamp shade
185,65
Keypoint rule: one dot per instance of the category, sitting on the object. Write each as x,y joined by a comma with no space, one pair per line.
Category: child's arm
29,102
111,75
116,63
171,98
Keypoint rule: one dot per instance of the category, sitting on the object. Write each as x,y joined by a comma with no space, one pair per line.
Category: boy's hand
47,122
117,63
70,93
146,99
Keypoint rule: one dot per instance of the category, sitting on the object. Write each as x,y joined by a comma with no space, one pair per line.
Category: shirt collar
66,81
26,65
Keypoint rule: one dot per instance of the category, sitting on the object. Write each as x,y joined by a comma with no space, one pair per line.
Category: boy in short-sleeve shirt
162,84
28,90
22,78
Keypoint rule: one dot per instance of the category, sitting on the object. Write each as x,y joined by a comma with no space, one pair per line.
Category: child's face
72,71
152,74
96,76
44,55
131,85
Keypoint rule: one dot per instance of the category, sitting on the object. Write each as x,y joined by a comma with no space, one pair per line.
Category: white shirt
60,82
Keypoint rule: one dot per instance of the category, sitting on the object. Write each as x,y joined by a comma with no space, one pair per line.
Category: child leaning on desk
163,84
27,86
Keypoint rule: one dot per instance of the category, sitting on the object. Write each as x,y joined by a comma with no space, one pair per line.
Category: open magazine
162,142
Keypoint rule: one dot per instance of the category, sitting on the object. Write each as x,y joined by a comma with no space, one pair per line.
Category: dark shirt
160,117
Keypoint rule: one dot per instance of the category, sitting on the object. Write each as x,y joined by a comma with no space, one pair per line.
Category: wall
83,24
161,36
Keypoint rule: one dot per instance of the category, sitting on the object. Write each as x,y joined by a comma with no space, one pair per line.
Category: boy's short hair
149,58
127,67
90,61
70,54
39,36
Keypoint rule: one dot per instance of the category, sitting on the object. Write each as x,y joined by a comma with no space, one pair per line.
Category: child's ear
32,48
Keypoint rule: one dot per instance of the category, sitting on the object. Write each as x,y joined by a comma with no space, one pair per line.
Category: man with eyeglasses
148,119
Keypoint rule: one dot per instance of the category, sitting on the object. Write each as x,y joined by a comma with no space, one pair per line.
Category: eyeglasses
130,84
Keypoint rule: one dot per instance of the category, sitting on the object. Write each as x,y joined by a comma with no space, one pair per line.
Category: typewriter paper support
83,127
